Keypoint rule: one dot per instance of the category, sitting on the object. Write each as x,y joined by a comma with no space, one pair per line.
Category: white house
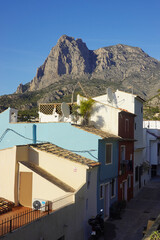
152,145
55,112
13,115
133,104
104,116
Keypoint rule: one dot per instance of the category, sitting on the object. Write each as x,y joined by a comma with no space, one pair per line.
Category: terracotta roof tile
98,132
61,152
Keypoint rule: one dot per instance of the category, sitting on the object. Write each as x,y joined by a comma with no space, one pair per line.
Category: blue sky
30,28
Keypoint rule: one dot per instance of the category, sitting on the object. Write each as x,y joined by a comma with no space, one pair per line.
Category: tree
85,109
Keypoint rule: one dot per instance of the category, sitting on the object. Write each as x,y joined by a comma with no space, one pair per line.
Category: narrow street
144,206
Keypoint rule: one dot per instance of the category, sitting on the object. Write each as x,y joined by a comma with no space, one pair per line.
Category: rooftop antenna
75,89
131,87
109,95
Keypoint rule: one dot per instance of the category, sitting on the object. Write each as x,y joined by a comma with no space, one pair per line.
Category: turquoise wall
62,134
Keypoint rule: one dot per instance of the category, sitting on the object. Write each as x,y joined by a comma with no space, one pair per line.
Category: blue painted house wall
107,172
61,134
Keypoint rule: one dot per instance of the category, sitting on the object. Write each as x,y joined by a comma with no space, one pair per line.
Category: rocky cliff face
127,65
68,57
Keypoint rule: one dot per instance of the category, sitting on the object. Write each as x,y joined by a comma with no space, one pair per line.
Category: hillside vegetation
70,61
152,108
27,103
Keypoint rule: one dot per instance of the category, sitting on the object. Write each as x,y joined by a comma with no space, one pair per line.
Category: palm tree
85,110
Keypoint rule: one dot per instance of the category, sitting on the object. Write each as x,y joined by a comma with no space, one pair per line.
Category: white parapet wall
151,124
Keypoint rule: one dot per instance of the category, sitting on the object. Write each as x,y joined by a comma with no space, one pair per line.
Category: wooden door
25,189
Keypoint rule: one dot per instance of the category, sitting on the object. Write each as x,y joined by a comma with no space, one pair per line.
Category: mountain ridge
122,64
118,66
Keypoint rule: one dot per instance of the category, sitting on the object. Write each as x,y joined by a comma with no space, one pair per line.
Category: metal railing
18,220
10,224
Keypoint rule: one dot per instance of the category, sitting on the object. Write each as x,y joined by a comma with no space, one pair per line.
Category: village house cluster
74,170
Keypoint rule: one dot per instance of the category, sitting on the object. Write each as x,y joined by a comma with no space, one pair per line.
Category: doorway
25,189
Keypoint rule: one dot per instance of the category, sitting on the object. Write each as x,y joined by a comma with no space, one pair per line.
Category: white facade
104,116
13,115
152,145
55,117
134,104
151,124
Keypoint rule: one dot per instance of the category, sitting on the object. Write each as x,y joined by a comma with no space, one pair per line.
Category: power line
9,129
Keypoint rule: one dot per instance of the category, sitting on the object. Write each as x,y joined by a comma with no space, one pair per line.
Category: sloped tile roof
98,132
43,173
61,152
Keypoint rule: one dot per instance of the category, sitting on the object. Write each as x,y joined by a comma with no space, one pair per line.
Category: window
108,153
101,191
113,188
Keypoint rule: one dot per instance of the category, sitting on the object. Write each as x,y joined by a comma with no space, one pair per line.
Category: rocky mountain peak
122,64
64,39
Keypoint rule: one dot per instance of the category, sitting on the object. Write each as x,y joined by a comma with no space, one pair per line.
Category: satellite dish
36,205
109,95
65,110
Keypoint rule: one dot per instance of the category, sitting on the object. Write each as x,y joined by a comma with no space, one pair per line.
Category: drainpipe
34,134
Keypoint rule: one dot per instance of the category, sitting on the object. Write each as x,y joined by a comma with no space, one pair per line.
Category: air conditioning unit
39,204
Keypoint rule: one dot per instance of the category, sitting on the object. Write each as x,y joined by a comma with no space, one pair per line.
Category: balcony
125,166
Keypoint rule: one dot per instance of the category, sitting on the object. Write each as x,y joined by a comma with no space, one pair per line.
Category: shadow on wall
26,153
33,156
99,121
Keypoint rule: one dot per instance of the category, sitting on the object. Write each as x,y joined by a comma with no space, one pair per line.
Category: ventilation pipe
34,134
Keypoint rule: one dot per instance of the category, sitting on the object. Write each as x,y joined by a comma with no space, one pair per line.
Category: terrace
19,216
